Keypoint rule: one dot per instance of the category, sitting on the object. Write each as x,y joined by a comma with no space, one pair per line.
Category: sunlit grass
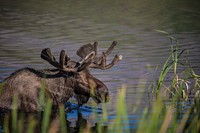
62,117
121,113
46,117
31,125
14,113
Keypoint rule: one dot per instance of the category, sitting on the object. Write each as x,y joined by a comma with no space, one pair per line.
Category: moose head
70,78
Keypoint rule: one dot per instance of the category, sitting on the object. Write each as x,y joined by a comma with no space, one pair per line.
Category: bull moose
70,78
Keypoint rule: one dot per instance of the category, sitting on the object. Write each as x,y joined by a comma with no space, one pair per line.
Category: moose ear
86,49
85,62
84,65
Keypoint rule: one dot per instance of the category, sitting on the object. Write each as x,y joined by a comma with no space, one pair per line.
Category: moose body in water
70,78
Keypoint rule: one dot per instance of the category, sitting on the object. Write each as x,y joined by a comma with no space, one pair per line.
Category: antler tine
103,65
88,57
95,47
47,55
109,50
100,62
116,59
62,58
87,62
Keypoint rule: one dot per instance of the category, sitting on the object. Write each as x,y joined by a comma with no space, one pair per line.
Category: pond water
26,27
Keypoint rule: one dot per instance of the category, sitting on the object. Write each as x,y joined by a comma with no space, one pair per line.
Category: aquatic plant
180,84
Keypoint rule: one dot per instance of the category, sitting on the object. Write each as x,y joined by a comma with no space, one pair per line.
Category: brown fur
27,84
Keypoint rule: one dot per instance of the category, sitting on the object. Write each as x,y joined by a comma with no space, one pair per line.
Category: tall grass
164,119
180,84
14,113
63,122
46,117
160,118
121,113
170,62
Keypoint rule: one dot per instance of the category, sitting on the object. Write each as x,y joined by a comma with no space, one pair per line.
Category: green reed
180,83
31,125
164,119
46,117
171,61
62,117
151,121
121,113
14,113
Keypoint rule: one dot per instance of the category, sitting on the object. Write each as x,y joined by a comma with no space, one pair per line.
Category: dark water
27,26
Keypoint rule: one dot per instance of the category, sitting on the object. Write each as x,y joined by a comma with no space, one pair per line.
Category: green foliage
153,121
180,82
166,119
14,113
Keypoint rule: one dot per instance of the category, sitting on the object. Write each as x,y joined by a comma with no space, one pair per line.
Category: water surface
26,27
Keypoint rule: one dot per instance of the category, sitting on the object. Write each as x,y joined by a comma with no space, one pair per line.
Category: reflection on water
26,27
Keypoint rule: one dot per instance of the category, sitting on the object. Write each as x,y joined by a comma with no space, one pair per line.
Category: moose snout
107,97
102,95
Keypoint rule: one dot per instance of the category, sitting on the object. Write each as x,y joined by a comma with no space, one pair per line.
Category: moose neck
60,85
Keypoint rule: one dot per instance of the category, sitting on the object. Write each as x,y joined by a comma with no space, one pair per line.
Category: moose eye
77,64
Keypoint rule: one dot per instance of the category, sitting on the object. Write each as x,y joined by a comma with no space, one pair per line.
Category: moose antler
64,59
47,55
64,63
98,62
89,59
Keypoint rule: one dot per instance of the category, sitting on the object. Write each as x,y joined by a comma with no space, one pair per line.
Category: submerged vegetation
160,117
